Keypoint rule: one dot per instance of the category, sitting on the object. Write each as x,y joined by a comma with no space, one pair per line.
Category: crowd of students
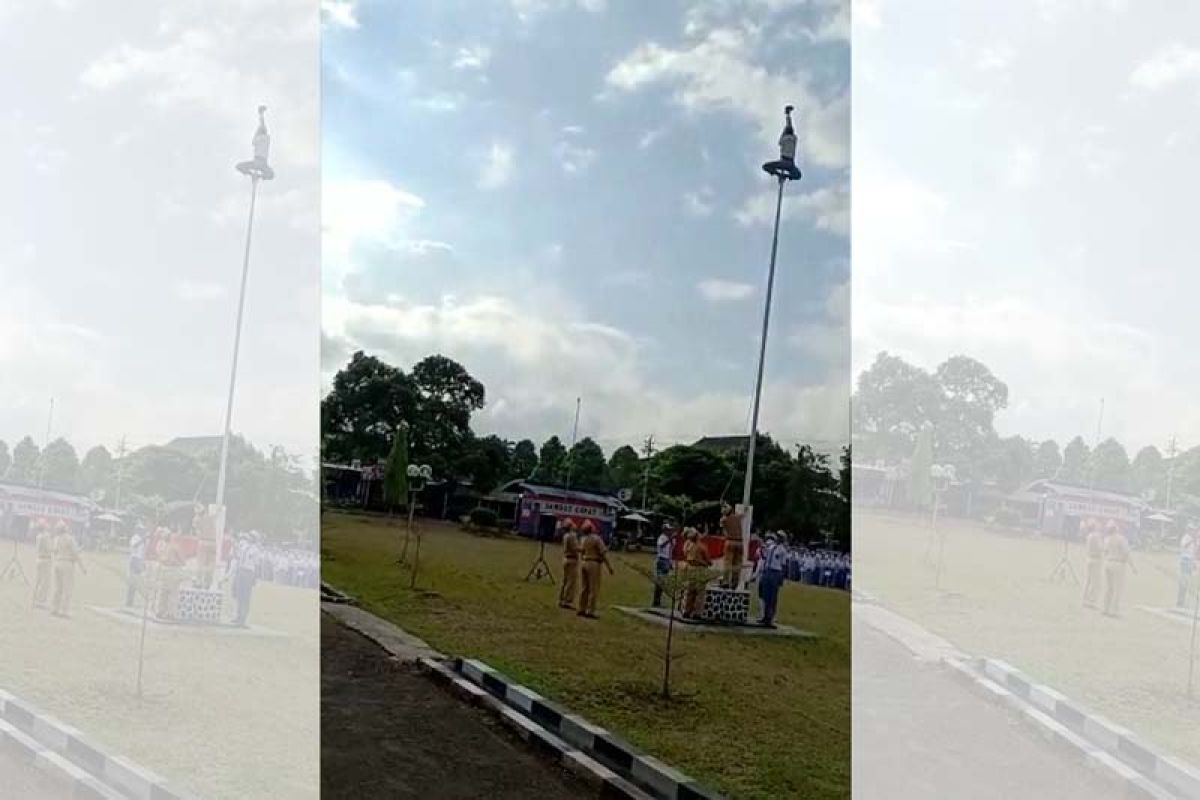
819,567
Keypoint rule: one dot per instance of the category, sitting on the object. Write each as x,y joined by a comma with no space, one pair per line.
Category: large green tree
551,461
97,472
625,469
25,460
446,395
1076,456
60,466
971,397
489,463
359,416
1148,471
395,473
586,466
524,459
1048,460
1109,467
894,400
5,460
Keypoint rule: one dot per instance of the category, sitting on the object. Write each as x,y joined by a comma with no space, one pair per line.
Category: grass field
752,717
997,599
221,716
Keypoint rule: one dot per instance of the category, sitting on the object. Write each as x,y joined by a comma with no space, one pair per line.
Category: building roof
7,488
1044,486
194,445
570,494
723,444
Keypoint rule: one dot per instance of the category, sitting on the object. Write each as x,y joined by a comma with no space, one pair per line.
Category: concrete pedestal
726,605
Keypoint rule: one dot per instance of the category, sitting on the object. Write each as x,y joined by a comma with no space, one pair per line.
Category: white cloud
718,290
572,157
648,138
529,10
1169,66
995,57
472,57
498,170
356,210
827,209
717,73
340,13
441,102
699,203
198,290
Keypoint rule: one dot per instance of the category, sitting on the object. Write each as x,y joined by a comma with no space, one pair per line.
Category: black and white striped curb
659,779
1112,738
1069,729
332,595
604,781
64,752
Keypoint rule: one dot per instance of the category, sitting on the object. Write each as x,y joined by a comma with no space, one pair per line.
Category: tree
1075,461
971,397
920,489
586,467
395,472
550,461
625,468
489,463
524,459
1013,462
5,460
1148,471
812,498
359,416
690,471
446,396
893,402
172,476
25,459
1048,460
96,472
1109,467
60,466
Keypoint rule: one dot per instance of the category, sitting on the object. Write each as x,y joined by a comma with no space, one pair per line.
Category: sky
122,220
1024,177
566,197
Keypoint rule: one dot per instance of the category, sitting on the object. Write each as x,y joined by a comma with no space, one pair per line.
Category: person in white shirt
771,564
137,565
1187,566
663,562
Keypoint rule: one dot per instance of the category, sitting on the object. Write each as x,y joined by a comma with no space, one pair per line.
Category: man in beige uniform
570,566
594,553
1094,544
1116,557
66,559
44,542
697,573
731,528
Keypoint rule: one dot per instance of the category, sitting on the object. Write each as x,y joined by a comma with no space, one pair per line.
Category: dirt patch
387,731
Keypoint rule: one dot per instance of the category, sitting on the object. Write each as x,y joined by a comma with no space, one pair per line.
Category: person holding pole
595,554
570,566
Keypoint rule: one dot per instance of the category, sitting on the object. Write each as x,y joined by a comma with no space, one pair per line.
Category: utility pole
1172,451
648,452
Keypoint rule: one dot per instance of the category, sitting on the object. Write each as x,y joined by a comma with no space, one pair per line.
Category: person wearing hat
244,570
570,567
43,542
698,563
66,559
594,553
1094,545
771,563
1116,558
663,562
731,527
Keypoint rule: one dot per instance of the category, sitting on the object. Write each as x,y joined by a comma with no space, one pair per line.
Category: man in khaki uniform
44,543
698,564
66,559
731,528
570,566
594,553
1094,544
1116,557
170,576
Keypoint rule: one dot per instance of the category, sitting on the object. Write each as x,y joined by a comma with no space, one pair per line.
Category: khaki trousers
591,587
64,585
1095,577
41,582
732,566
1114,583
570,582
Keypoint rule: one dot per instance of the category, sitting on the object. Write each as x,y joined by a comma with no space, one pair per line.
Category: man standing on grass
66,559
1116,557
771,563
698,563
137,565
44,543
595,554
570,575
1094,544
662,564
1187,565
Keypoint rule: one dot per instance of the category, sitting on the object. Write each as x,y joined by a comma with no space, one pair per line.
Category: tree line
958,402
370,400
269,492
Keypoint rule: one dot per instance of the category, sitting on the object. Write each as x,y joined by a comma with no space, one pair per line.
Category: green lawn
997,600
221,716
751,717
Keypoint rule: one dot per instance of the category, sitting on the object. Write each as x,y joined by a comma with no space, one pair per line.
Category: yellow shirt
1116,549
695,554
66,551
45,546
593,548
731,524
570,545
1095,546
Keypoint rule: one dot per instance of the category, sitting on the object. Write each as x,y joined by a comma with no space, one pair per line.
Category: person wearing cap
771,563
43,542
170,572
662,564
731,527
1094,546
570,566
594,553
244,570
698,563
66,559
137,565
1116,558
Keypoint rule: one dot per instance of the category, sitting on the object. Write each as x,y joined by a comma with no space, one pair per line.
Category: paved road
919,733
387,731
21,779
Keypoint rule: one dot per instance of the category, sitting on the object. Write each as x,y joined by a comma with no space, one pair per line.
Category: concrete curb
607,783
1100,733
612,752
63,752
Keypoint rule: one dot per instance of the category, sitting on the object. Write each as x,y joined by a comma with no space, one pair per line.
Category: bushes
483,518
